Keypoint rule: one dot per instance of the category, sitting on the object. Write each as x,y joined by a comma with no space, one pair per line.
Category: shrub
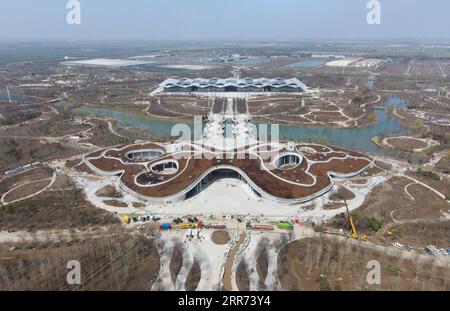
372,117
392,267
318,228
375,224
428,174
323,284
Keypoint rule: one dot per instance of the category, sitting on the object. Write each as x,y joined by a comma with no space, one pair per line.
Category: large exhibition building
249,85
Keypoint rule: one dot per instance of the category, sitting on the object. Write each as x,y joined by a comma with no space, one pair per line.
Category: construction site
224,166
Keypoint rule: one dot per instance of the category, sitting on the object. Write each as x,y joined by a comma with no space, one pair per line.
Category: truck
263,227
398,245
285,225
429,251
187,225
126,219
134,217
202,225
165,226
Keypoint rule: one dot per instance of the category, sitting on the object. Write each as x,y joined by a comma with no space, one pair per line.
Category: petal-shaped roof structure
216,84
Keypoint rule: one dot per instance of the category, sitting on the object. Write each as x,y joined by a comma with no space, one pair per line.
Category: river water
355,138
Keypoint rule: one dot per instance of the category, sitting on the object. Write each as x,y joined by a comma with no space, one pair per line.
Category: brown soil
429,204
383,165
359,181
372,171
342,192
442,185
138,204
115,203
327,119
176,263
8,183
26,190
242,280
19,152
85,169
422,234
220,237
193,277
327,264
282,110
264,179
146,274
407,143
54,210
262,264
72,163
309,207
62,182
121,262
102,136
390,200
332,206
54,127
108,191
169,106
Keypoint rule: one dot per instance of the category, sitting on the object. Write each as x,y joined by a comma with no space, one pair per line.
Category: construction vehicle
187,225
126,219
429,251
352,225
398,245
134,217
263,227
165,226
285,225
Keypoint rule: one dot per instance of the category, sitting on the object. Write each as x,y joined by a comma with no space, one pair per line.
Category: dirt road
226,279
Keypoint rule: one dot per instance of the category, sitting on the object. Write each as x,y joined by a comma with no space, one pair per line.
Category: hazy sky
223,19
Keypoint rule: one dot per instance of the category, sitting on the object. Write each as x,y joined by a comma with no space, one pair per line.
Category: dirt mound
108,191
242,278
193,277
115,203
262,264
220,237
175,263
342,192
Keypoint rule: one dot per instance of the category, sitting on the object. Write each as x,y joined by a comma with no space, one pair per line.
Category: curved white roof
239,83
